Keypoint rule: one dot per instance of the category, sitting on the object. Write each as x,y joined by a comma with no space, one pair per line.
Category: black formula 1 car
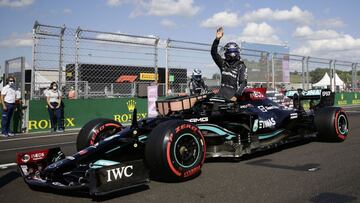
173,146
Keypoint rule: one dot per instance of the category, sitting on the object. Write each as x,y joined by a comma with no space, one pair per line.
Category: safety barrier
78,112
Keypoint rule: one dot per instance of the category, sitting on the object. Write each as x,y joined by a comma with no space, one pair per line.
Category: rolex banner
78,112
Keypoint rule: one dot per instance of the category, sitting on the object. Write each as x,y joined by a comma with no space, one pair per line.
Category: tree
216,76
317,74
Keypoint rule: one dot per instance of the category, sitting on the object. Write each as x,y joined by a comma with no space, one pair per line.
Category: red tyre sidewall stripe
96,133
204,144
168,156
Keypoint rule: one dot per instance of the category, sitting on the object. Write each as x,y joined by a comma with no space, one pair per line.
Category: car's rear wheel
95,131
332,124
175,151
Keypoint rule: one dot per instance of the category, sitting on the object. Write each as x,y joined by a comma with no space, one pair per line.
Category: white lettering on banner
326,93
267,123
118,173
195,120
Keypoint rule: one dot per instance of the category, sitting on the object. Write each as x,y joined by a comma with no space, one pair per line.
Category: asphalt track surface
303,172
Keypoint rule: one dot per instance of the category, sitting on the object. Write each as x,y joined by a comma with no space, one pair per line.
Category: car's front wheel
175,150
95,131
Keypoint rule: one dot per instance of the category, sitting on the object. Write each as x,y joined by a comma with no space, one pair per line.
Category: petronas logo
342,96
355,95
131,104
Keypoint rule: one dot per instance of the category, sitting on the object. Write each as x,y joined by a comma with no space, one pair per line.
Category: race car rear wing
325,96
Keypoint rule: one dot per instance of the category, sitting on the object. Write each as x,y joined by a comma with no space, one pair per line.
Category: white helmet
196,74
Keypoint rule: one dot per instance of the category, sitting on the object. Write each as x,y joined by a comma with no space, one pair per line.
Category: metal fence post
307,71
334,74
167,66
267,70
273,70
32,85
303,72
156,59
61,55
355,80
77,48
353,76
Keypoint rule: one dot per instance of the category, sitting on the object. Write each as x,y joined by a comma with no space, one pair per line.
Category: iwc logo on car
119,173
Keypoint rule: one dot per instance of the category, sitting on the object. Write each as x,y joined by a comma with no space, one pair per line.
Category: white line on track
37,146
36,137
5,166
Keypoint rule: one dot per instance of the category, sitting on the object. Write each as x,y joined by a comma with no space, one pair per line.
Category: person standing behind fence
8,97
71,93
53,98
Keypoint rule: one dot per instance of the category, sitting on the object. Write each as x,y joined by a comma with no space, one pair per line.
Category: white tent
325,82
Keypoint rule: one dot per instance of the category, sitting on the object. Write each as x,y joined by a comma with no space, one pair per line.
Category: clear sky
322,28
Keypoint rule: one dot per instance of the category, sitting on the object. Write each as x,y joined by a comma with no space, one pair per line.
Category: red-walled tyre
95,131
175,151
332,124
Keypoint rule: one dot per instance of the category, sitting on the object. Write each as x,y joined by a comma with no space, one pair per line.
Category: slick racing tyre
332,124
95,131
175,151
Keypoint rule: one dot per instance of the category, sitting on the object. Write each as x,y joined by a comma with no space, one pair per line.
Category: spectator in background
71,93
8,97
197,85
53,98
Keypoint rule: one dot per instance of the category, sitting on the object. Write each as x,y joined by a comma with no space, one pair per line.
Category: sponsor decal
24,169
131,104
25,158
37,156
46,124
256,125
257,95
325,93
119,173
196,120
191,171
293,115
342,102
148,76
269,123
267,108
125,118
184,126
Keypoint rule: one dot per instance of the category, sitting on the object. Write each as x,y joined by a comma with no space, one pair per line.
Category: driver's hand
219,32
233,99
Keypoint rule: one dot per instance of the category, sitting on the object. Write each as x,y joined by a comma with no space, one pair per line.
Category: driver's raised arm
214,48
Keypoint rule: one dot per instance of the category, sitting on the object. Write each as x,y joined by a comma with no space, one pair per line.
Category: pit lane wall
78,112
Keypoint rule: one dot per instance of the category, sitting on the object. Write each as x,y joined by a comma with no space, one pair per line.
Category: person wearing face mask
8,97
53,99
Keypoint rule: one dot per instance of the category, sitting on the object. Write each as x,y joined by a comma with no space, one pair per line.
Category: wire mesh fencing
97,64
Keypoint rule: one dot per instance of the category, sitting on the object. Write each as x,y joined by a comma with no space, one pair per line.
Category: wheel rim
187,150
342,124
